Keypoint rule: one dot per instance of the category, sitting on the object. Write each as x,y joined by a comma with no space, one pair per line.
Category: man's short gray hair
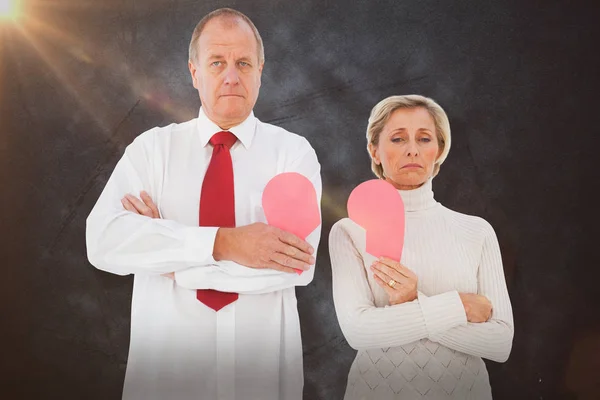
225,13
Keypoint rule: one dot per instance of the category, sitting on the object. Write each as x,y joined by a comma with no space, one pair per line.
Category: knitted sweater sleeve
367,326
491,339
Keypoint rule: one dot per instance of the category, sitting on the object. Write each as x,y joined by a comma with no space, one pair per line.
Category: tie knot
225,138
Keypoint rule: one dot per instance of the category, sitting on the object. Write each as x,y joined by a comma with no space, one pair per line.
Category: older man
214,311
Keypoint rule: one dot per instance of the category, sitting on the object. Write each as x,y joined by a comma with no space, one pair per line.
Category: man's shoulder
280,137
161,133
173,128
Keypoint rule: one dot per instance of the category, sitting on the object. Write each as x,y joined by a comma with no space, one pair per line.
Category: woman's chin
407,182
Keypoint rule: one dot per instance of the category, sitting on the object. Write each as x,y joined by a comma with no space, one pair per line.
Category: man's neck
226,124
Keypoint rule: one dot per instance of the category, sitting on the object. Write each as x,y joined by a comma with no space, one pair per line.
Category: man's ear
192,68
260,70
374,153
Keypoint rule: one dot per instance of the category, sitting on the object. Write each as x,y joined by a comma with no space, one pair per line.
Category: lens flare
10,10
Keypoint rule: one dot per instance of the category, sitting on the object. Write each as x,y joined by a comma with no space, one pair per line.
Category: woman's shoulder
348,231
467,222
347,237
346,226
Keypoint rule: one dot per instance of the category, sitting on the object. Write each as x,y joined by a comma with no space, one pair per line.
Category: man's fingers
139,206
278,267
148,201
295,241
290,262
295,253
128,206
170,275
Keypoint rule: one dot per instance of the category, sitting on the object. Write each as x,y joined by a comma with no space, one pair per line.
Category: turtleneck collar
418,199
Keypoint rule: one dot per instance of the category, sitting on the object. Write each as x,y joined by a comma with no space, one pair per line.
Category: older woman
421,326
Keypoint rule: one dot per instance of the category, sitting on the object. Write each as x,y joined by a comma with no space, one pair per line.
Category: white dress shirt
180,348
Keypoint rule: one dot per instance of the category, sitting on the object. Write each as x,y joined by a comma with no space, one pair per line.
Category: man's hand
144,207
477,307
255,246
263,246
403,281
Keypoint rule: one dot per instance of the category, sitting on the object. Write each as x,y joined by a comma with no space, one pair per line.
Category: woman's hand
477,307
399,282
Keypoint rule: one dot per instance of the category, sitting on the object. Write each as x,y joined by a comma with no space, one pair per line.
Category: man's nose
231,76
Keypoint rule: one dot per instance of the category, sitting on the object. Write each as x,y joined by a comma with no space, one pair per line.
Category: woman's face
407,148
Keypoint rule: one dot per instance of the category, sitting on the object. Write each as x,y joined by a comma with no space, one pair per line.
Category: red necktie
217,205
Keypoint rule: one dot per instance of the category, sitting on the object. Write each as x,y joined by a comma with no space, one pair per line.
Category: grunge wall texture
519,80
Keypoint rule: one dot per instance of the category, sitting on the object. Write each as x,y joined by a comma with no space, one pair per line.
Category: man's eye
216,63
244,64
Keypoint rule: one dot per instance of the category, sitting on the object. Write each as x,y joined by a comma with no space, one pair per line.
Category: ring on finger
391,283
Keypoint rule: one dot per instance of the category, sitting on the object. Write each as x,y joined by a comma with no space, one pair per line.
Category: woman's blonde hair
380,114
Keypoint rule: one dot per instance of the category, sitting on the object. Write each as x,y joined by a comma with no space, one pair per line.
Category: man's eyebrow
215,56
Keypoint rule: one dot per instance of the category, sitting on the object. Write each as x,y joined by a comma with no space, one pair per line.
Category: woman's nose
411,149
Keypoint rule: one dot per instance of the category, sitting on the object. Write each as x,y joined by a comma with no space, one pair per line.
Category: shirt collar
244,131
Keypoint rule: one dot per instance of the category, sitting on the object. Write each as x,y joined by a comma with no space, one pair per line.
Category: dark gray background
518,79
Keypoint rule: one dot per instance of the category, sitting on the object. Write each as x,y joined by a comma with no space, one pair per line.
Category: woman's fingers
398,267
388,289
386,272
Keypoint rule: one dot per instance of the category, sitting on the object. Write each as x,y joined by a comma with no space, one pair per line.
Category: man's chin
237,114
232,100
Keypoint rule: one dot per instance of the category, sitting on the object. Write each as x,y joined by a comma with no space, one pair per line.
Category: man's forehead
227,34
218,50
224,27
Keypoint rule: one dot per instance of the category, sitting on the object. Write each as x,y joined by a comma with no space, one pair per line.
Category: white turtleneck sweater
424,348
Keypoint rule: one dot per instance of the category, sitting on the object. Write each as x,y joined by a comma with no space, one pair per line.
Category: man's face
227,72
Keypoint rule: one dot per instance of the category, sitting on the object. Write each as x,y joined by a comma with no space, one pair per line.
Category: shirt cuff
199,245
442,312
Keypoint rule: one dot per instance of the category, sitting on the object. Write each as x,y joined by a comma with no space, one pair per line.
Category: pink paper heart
290,203
378,207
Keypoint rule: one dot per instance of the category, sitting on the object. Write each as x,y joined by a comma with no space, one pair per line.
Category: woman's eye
396,140
426,140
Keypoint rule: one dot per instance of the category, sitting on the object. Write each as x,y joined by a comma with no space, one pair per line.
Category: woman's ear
374,153
440,151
